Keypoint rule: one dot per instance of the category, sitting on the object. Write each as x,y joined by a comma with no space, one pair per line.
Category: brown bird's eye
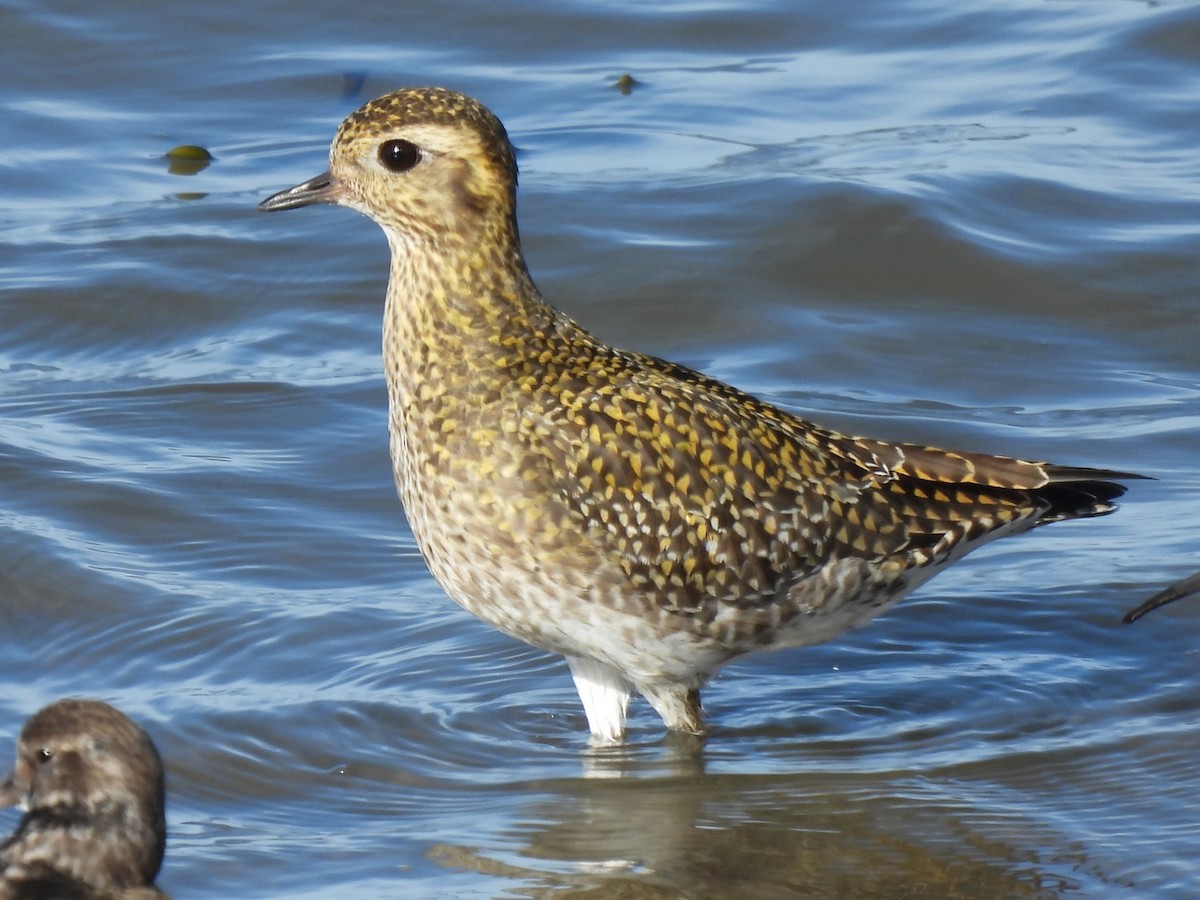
399,156
44,754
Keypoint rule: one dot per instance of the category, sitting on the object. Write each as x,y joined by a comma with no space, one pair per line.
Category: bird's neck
456,310
463,336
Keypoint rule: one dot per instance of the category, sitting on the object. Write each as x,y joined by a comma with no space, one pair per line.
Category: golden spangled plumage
645,520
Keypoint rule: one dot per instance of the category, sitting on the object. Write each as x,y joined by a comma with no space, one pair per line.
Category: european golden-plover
644,520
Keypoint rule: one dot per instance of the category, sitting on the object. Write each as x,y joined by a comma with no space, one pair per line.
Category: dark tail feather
1078,493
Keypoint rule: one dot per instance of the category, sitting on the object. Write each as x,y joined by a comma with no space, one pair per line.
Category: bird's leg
605,695
678,706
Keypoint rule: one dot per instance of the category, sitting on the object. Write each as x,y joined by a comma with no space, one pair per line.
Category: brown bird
644,520
91,785
1178,591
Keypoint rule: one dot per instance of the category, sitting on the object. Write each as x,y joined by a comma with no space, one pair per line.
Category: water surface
960,224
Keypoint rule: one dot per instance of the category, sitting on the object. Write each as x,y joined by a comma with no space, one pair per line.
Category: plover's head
428,164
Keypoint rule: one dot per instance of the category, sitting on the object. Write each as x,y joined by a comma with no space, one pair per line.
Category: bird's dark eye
44,754
399,156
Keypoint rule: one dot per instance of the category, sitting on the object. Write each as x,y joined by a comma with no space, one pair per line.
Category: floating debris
352,84
1190,586
625,83
187,159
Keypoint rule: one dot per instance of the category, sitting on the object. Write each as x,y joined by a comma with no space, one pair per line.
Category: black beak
322,189
10,793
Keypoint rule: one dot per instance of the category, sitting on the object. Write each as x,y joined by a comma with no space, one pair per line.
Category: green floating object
187,159
189,151
626,83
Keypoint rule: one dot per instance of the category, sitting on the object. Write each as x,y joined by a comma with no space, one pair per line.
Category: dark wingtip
1067,474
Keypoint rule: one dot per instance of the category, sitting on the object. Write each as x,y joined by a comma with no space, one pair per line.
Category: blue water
964,224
